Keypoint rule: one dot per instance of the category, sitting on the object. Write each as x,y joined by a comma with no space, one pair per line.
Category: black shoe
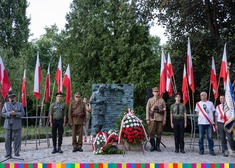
201,153
17,154
59,150
79,149
7,156
182,151
54,151
158,149
177,151
212,153
74,149
152,149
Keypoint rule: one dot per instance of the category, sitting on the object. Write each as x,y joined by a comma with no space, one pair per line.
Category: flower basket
132,132
106,143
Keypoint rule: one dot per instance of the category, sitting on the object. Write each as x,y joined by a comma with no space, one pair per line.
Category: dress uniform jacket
13,122
160,103
77,113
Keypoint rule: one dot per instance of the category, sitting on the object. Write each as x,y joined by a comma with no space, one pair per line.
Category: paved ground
43,154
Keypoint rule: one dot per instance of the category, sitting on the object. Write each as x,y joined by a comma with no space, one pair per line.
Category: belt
178,118
57,119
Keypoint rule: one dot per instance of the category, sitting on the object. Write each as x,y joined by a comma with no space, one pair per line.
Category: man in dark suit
12,111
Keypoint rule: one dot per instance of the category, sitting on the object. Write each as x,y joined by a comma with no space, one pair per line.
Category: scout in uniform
178,119
57,114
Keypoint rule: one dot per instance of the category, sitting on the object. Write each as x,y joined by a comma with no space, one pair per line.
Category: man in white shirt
221,118
205,111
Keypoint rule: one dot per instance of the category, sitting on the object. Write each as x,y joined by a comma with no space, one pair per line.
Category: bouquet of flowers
99,142
132,131
106,143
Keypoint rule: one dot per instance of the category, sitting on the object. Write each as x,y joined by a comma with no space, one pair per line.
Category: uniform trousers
179,133
223,134
57,125
10,134
155,128
77,131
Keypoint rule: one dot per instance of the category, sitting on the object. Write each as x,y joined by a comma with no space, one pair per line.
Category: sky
44,13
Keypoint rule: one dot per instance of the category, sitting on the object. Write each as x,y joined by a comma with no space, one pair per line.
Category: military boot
152,142
54,150
158,141
59,149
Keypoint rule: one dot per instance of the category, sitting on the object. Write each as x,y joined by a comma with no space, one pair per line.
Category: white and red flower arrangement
132,130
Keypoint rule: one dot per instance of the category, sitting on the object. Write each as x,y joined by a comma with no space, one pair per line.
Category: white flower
127,126
131,125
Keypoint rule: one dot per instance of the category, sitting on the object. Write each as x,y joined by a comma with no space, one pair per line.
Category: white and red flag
190,68
58,76
169,76
67,85
224,67
47,94
6,85
213,79
162,87
23,90
185,87
37,79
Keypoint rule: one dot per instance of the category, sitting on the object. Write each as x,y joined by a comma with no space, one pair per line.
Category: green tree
14,24
109,43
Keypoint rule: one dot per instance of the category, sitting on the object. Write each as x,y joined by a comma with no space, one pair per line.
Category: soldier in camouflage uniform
57,114
77,118
156,119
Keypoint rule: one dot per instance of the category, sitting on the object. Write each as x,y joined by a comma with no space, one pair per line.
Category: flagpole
27,120
209,91
174,84
36,123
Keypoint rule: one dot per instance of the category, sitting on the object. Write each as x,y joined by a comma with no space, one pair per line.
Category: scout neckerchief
222,116
205,115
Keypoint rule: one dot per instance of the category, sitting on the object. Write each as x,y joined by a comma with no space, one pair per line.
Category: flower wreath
99,141
132,130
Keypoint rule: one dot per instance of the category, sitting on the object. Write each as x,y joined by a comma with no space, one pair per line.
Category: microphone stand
10,157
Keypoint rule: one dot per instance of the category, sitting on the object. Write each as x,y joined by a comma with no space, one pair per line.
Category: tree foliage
14,24
109,43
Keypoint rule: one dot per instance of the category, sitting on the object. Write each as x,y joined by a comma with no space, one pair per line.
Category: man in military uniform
77,118
12,111
155,118
178,119
99,109
57,114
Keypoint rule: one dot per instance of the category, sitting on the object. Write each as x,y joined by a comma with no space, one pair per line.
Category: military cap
155,89
11,95
58,93
77,94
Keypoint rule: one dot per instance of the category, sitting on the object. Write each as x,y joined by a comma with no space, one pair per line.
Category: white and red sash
205,115
222,116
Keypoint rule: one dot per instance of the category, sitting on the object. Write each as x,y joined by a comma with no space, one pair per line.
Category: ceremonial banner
23,89
169,76
47,88
37,79
229,126
162,87
6,85
224,67
190,68
67,85
213,79
58,75
185,87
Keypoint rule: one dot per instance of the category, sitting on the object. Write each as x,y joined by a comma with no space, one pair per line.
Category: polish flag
185,87
213,79
67,85
37,79
224,67
190,68
58,76
163,75
23,90
47,94
6,85
169,76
